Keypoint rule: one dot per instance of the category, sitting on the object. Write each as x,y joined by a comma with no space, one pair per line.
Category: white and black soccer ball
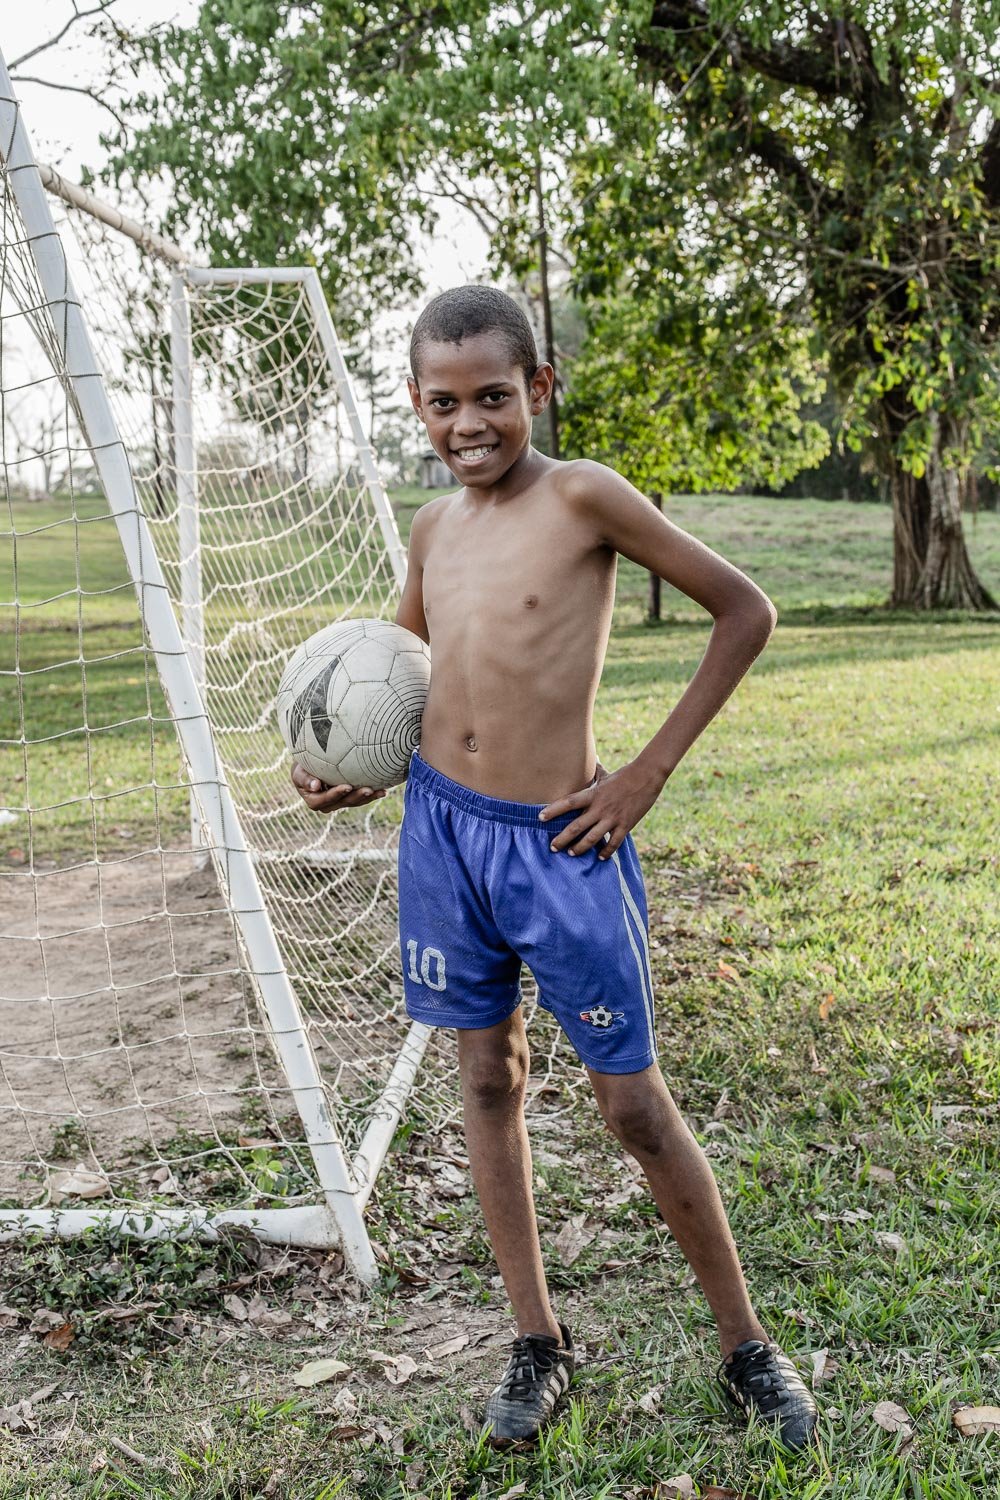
601,1017
350,702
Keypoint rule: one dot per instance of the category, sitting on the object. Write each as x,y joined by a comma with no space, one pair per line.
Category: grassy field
822,873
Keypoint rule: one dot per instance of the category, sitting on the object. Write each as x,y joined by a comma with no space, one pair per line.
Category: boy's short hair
464,311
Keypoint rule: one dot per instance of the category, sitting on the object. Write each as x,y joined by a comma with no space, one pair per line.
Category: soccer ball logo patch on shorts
600,1017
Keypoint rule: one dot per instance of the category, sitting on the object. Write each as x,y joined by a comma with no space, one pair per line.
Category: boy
516,844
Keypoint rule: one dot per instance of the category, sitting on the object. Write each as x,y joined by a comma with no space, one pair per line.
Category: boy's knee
496,1079
639,1122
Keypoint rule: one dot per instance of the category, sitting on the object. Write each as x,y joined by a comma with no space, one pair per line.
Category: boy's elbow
758,618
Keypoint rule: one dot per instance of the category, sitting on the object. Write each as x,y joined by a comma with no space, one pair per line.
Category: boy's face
476,405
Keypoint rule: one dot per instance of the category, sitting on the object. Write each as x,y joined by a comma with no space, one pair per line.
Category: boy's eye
442,402
494,398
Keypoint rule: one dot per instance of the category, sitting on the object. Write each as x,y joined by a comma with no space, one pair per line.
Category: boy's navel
531,601
471,743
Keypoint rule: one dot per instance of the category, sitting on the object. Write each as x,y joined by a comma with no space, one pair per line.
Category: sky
65,128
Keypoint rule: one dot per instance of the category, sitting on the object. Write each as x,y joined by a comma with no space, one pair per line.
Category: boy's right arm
410,614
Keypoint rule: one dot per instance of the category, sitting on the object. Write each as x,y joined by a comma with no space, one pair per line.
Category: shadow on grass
790,650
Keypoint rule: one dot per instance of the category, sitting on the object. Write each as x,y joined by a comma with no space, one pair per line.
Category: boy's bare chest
501,572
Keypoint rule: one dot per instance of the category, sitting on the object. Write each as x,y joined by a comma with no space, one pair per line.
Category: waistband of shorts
490,809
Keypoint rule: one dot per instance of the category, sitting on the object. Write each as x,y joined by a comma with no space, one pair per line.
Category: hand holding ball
351,699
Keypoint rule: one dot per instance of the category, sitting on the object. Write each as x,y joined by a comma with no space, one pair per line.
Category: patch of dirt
125,1008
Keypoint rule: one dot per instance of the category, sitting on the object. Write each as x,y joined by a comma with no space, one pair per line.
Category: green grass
822,873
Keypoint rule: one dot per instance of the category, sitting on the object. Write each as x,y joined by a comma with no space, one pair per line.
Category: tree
851,158
749,195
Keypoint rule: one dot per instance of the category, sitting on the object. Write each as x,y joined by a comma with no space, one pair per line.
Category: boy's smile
477,406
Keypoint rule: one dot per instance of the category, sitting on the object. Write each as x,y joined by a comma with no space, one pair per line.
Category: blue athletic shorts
480,892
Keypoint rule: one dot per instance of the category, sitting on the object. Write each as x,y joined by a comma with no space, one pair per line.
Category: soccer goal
202,1016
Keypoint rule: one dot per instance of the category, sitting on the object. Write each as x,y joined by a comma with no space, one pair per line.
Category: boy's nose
468,424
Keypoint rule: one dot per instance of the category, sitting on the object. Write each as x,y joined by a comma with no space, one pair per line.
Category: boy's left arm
744,618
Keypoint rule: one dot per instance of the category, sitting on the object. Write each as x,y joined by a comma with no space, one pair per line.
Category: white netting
133,1058
132,1042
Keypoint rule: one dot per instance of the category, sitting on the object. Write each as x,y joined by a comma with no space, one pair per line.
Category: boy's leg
638,1108
493,1063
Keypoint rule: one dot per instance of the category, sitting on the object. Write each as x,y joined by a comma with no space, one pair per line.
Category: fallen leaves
78,1182
892,1417
60,1338
316,1371
573,1238
976,1421
397,1368
448,1348
824,1368
680,1487
889,1241
826,1005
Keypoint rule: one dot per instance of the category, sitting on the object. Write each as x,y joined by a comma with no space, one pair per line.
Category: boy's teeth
468,453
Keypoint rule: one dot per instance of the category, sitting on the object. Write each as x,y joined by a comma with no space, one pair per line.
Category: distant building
434,474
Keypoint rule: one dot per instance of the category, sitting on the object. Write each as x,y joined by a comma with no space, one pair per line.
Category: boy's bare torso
517,595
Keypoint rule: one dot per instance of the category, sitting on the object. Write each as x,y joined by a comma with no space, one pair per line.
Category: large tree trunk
931,564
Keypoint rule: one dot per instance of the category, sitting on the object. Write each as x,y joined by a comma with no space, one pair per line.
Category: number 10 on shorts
432,971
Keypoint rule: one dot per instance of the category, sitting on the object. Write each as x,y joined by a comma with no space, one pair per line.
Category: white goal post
181,1047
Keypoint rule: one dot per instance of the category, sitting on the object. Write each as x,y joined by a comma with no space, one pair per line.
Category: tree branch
53,41
843,70
76,88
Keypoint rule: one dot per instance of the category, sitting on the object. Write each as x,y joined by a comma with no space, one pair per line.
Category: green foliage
697,412
114,1288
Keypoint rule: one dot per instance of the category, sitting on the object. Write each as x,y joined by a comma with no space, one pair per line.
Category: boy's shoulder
585,483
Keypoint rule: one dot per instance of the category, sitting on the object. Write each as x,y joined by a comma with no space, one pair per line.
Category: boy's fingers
595,836
566,804
614,842
570,834
304,781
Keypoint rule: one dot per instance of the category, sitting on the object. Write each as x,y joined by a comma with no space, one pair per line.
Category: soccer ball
600,1016
350,701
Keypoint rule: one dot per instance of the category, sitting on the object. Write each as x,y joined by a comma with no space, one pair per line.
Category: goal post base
306,1227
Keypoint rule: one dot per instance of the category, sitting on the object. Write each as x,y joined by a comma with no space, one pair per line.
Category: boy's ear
540,390
414,390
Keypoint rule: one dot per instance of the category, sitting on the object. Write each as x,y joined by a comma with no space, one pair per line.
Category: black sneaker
539,1372
760,1378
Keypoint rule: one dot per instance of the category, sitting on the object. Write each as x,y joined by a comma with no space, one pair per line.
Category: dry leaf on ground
44,1319
720,1492
397,1368
19,1418
880,1174
651,1400
450,1346
236,1307
893,1418
517,1489
80,1182
824,1368
890,1241
60,1338
573,1238
681,1487
317,1370
345,1402
974,1421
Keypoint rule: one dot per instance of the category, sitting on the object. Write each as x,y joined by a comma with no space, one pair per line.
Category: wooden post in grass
654,578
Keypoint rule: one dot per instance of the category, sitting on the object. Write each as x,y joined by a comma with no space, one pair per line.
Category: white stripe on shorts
645,976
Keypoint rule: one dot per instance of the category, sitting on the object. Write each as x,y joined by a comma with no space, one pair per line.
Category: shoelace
528,1360
757,1369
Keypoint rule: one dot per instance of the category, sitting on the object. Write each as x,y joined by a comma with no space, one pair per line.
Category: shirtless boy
516,844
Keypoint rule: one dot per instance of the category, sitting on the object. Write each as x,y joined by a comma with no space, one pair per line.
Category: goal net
202,1009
